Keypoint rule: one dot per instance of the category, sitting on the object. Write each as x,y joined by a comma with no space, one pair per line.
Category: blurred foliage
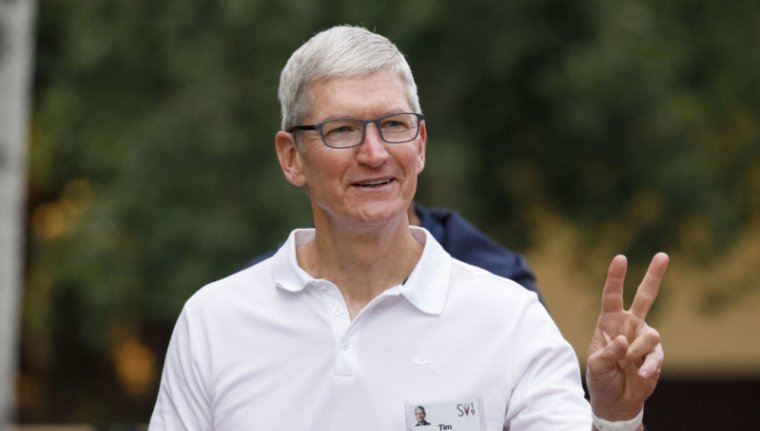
152,168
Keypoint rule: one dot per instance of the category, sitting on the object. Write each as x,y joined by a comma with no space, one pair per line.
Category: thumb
611,356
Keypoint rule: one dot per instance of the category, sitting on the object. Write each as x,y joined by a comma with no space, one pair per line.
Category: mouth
373,183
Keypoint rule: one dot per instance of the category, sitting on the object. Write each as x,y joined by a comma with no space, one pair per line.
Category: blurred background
569,131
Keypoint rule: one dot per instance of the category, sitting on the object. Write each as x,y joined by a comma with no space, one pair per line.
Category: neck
362,263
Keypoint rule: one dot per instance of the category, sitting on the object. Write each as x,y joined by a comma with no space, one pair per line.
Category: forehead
364,96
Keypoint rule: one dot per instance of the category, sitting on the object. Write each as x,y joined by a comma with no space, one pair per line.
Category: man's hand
625,355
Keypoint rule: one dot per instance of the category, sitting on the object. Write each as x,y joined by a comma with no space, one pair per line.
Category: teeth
374,183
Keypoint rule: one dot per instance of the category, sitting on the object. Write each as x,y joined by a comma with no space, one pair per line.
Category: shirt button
337,310
345,344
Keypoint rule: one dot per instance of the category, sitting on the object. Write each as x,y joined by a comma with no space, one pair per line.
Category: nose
372,152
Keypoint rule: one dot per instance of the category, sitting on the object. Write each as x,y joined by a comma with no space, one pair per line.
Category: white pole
16,47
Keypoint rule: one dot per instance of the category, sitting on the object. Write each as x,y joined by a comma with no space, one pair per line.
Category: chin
380,214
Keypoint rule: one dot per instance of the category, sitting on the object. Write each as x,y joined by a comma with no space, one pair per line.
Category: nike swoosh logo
425,360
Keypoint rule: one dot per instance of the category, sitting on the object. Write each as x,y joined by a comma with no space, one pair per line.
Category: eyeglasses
349,132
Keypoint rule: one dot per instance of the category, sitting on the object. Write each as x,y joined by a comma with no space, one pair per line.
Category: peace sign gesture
625,355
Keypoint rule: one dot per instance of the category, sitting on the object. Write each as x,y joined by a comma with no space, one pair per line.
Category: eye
336,128
394,124
399,122
343,129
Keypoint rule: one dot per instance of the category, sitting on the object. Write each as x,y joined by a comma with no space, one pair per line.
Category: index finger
650,285
612,294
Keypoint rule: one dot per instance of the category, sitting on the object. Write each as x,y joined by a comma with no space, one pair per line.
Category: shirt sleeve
548,394
183,401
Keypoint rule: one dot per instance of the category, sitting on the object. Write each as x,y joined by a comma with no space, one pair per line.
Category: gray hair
341,51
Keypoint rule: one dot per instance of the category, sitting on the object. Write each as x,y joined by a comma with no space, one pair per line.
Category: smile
373,183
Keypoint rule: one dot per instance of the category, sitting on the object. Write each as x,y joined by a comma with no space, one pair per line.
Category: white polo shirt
272,348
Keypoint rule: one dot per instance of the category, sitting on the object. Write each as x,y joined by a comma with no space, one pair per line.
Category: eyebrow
355,117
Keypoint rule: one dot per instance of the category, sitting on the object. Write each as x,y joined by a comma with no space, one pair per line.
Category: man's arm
547,394
182,402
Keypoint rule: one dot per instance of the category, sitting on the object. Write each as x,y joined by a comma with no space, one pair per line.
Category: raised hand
625,356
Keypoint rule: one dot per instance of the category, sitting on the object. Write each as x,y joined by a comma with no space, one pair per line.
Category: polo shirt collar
428,285
286,272
426,288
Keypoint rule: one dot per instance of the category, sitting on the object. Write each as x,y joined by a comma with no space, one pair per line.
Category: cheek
321,171
415,163
412,172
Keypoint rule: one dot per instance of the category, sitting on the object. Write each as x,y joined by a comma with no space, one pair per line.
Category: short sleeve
548,394
183,400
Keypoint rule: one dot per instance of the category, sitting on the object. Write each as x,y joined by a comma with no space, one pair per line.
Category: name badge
465,414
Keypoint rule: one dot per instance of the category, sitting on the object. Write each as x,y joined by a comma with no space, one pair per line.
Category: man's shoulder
232,288
467,243
484,287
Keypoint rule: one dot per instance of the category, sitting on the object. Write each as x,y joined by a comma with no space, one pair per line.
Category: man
354,323
419,414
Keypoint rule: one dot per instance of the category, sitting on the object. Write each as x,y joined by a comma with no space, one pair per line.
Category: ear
289,158
422,139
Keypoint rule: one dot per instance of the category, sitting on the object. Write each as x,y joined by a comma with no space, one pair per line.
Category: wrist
632,424
619,411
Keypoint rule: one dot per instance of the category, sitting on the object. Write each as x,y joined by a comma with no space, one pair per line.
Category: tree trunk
16,46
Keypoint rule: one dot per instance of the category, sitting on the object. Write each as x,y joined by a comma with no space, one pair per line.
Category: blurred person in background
358,320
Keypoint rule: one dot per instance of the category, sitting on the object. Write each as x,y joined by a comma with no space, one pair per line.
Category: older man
354,323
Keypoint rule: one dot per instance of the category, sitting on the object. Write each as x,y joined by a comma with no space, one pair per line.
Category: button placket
344,331
333,304
336,309
345,356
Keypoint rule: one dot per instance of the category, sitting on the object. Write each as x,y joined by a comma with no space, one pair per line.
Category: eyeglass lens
349,132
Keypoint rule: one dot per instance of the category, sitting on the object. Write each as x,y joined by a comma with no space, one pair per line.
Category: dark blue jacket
466,243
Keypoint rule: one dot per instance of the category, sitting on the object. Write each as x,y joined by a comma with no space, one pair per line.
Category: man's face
374,182
420,415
